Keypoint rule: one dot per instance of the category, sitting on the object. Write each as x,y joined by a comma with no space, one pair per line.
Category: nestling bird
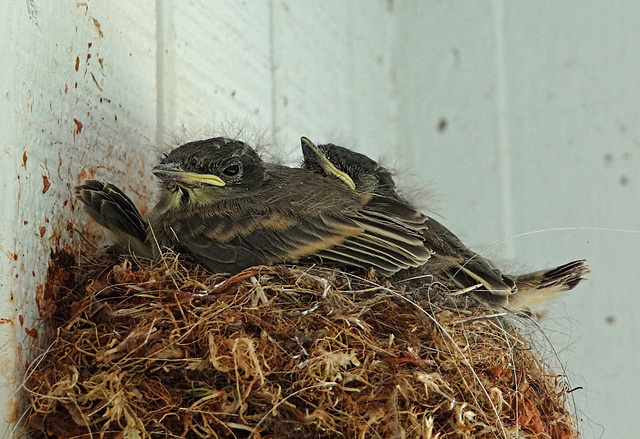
220,203
452,263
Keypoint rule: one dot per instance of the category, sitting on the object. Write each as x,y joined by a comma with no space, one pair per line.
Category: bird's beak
173,172
308,148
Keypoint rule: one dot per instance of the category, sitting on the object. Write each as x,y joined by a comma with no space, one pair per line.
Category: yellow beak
326,164
172,172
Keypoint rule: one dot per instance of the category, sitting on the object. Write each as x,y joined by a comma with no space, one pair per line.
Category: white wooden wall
521,119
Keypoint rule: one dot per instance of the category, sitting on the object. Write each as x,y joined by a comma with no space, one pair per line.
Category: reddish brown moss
171,351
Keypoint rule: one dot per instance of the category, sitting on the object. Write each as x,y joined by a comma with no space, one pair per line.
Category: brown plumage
223,205
452,263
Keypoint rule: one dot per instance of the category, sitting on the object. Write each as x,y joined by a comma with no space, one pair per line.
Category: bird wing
363,237
391,237
226,244
457,266
111,208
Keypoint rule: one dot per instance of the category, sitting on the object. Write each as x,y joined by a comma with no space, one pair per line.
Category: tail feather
541,286
566,276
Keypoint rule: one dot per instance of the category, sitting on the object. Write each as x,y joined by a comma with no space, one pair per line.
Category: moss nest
168,350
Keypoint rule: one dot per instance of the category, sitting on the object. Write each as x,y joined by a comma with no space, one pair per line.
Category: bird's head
210,169
356,170
322,159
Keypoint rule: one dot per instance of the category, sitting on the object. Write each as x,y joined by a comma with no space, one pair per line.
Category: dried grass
280,352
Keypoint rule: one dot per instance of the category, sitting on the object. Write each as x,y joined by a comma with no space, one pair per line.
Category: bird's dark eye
231,170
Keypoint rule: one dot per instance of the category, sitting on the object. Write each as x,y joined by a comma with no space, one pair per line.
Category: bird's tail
541,286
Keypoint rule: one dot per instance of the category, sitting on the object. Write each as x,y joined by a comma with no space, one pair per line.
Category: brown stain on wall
45,184
95,81
78,128
33,333
96,24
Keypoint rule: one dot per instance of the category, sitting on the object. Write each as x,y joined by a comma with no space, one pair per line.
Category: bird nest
279,352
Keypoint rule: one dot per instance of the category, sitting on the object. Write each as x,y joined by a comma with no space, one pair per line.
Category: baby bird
220,203
452,263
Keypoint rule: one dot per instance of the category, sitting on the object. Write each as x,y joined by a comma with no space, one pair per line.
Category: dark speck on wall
624,180
442,125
